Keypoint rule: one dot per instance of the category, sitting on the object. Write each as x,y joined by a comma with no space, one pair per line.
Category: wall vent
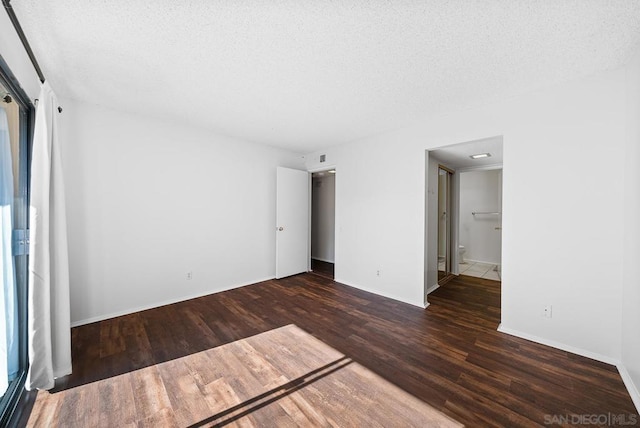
323,158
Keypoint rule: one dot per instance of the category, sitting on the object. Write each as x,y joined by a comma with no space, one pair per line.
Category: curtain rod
23,38
25,42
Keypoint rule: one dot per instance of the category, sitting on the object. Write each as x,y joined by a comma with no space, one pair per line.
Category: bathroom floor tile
484,265
492,275
479,270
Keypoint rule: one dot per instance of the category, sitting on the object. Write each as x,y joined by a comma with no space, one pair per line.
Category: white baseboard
322,260
433,288
559,345
378,293
470,261
158,304
624,374
631,386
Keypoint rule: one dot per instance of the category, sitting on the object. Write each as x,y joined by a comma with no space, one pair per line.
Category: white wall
631,218
375,211
149,201
381,209
480,192
323,218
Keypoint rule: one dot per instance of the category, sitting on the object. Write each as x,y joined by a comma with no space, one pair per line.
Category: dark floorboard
321,268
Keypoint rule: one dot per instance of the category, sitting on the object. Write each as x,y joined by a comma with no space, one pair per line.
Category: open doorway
461,248
323,215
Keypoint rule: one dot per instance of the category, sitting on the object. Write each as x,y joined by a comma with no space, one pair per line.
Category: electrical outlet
378,272
547,311
189,275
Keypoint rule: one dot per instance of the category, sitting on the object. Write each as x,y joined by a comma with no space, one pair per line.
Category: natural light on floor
280,377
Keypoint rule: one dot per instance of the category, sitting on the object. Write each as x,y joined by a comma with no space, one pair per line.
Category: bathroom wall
480,191
323,218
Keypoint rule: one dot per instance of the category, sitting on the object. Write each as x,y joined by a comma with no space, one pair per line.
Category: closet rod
23,38
25,42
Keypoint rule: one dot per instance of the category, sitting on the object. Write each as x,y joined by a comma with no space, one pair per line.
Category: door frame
325,168
450,259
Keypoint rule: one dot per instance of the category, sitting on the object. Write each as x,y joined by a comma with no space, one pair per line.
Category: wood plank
116,398
152,402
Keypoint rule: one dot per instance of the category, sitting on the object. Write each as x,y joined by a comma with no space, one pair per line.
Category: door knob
281,228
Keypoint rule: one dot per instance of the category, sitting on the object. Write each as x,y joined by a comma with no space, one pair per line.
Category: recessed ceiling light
480,156
333,171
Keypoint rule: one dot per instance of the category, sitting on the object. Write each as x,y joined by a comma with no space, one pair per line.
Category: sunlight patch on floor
283,376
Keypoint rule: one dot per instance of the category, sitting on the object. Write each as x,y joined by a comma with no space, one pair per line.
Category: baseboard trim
631,386
433,288
376,292
559,345
159,304
323,260
624,374
470,261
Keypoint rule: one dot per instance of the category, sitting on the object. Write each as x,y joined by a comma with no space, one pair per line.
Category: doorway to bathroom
463,207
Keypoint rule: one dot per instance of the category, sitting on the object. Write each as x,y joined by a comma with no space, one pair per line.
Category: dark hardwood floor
450,355
321,268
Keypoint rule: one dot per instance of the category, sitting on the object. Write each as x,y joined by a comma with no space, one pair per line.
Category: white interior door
292,222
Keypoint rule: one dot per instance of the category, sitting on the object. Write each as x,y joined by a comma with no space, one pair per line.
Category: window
16,114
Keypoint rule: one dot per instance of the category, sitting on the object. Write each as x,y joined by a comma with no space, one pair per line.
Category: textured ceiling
304,75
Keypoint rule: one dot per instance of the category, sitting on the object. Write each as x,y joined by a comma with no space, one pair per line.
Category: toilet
461,251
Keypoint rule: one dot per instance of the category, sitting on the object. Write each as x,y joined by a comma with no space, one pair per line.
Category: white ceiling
304,75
